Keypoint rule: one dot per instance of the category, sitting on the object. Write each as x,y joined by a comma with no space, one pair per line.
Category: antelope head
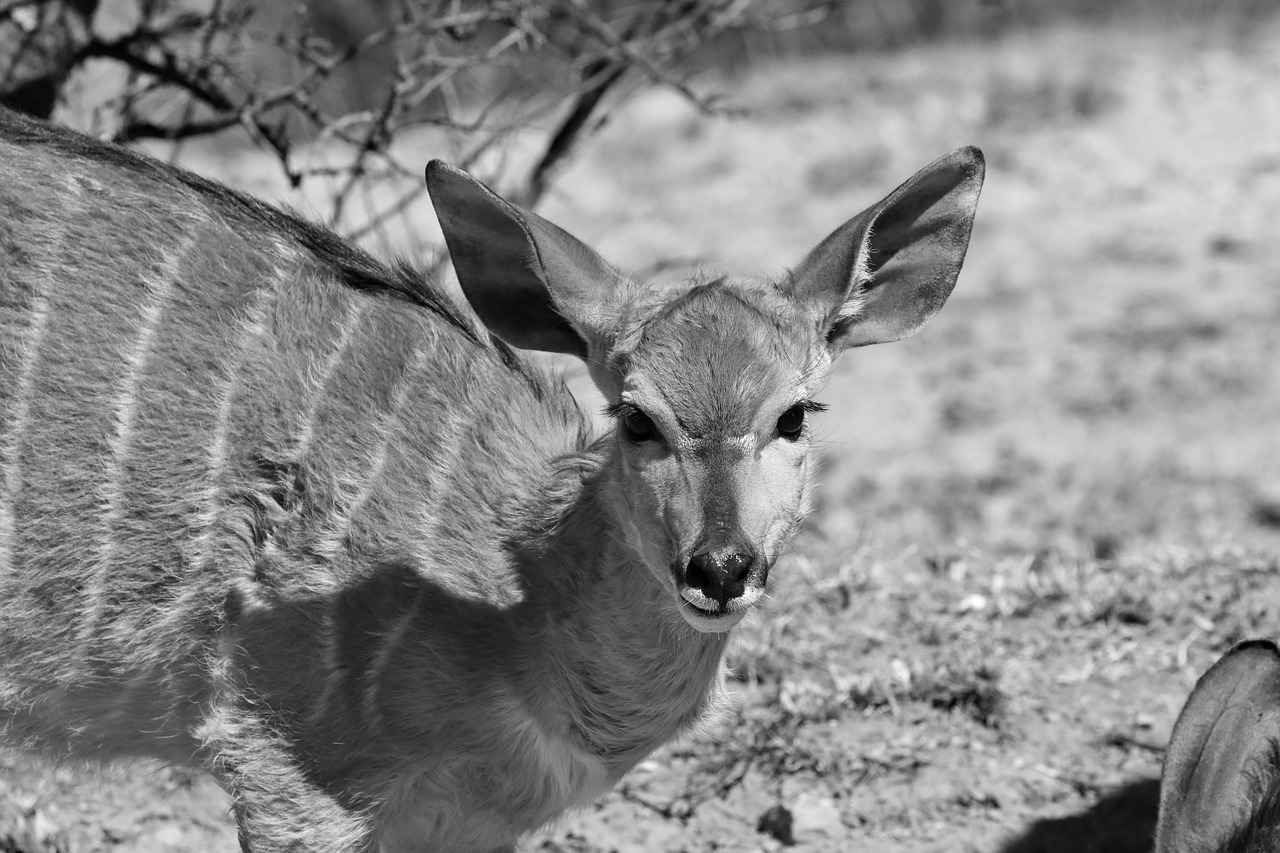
711,381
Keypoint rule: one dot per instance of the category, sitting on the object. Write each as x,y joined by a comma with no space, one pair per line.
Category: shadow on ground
1122,822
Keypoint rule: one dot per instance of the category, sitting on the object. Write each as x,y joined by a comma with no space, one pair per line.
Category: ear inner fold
1230,722
883,274
533,284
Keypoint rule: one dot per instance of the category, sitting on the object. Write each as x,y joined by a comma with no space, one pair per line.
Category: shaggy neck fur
612,667
523,711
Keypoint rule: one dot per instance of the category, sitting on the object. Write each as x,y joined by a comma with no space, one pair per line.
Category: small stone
170,835
776,822
817,816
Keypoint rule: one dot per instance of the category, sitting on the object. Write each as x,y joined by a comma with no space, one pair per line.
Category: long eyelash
621,409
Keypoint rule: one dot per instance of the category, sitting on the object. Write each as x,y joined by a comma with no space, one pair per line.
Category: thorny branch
509,88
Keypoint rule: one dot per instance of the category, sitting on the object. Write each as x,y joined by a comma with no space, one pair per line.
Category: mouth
712,617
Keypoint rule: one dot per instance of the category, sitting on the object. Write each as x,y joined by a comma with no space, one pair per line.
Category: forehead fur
719,350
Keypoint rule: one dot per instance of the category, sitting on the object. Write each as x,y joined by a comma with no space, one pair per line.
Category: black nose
720,575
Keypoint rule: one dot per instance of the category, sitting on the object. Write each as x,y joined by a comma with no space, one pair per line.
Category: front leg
278,808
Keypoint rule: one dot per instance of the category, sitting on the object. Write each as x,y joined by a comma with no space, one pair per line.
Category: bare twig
479,80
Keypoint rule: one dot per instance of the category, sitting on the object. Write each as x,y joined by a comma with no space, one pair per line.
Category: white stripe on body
159,288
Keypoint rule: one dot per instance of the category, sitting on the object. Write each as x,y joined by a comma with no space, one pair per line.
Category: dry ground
1042,518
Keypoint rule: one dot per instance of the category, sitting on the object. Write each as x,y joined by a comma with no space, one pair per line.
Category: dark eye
791,424
637,425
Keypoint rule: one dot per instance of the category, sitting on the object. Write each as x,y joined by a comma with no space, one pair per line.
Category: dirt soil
1042,518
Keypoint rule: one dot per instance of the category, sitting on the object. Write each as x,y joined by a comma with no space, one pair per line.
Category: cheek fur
775,497
668,499
647,490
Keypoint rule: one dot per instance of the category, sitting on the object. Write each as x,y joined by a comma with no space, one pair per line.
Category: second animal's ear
533,284
1223,745
883,274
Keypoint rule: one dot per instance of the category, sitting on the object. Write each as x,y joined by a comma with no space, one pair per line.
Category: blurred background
1041,518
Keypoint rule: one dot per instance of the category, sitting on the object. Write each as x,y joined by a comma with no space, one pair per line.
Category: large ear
883,274
533,284
1224,736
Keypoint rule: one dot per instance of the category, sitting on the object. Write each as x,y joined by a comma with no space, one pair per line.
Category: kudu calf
275,509
1221,787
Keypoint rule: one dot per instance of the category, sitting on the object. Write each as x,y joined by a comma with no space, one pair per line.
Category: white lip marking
710,622
743,602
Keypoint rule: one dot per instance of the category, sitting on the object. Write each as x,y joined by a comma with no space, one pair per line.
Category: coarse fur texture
1221,787
1259,829
274,509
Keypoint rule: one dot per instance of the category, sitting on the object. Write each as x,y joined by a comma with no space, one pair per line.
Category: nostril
696,574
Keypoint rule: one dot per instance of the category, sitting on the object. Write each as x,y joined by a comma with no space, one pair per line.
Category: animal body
1220,792
276,509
